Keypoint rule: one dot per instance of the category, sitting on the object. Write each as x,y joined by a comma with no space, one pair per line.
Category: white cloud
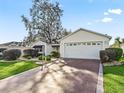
115,11
106,13
107,20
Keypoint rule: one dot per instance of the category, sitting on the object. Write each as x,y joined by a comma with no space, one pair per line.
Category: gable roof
82,29
13,43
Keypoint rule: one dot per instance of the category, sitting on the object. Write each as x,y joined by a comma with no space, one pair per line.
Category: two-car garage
83,44
82,50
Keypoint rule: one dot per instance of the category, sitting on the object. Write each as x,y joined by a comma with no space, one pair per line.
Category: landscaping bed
113,63
11,68
114,79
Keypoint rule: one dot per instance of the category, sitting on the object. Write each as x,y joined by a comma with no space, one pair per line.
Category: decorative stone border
100,88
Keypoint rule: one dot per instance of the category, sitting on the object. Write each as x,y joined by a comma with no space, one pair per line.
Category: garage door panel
83,51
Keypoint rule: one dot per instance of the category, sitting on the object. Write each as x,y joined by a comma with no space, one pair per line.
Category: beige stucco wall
83,36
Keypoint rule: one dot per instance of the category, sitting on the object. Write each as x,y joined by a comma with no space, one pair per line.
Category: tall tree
65,32
45,21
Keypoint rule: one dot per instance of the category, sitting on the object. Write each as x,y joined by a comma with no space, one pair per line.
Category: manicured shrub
40,57
111,54
48,58
55,54
103,56
114,53
11,54
1,52
31,52
1,57
2,49
27,56
39,54
45,58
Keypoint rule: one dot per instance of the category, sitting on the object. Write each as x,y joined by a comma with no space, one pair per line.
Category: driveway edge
20,73
100,88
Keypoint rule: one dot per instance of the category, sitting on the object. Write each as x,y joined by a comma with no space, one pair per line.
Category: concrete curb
100,88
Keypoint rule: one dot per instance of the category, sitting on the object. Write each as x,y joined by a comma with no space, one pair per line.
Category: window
79,43
70,44
99,43
93,43
88,43
84,43
74,44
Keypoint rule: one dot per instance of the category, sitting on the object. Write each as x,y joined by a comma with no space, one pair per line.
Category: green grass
121,59
114,79
11,68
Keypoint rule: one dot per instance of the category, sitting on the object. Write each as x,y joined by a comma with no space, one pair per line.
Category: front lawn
114,79
11,68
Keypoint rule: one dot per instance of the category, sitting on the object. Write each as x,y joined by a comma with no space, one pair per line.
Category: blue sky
103,16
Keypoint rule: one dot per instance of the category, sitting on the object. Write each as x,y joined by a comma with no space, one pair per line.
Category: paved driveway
78,76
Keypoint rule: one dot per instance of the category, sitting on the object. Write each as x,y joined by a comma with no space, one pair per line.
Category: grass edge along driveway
8,69
114,79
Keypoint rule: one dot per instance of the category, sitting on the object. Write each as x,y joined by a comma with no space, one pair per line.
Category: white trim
100,88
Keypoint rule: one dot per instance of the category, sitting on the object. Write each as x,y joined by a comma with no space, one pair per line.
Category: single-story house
44,48
83,44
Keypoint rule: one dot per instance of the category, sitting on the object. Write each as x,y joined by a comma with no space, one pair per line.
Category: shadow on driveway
76,77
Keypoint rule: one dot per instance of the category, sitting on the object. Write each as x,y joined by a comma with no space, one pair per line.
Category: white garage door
86,50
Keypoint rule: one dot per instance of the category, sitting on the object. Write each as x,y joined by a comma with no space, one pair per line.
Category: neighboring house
44,48
83,44
13,43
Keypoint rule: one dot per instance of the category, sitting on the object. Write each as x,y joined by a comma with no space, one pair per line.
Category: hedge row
11,54
111,54
30,53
